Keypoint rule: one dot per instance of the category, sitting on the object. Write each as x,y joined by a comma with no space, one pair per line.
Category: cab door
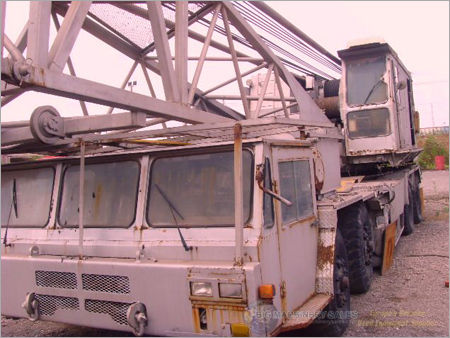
296,224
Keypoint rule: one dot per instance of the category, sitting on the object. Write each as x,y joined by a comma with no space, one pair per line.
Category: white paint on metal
67,35
81,199
38,32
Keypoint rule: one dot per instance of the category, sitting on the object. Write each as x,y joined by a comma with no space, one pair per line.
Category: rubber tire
326,324
408,215
358,237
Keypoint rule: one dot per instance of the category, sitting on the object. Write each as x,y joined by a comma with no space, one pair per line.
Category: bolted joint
21,70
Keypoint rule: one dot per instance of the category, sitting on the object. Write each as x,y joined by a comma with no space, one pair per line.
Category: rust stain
218,305
196,320
325,255
259,247
237,132
388,247
42,76
317,181
221,316
283,297
217,314
211,319
311,305
303,221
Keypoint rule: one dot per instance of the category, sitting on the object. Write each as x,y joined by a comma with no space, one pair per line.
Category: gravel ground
409,300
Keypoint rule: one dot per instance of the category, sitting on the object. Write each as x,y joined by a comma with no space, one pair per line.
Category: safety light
230,290
240,330
203,289
266,291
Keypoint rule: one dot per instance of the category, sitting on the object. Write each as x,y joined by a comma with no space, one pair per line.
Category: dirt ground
409,300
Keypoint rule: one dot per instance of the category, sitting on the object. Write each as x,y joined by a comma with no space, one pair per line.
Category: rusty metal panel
325,252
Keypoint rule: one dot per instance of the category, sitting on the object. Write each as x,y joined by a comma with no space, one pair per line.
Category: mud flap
389,245
422,200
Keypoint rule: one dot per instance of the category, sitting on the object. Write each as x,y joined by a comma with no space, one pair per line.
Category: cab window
26,197
268,200
197,190
295,186
110,194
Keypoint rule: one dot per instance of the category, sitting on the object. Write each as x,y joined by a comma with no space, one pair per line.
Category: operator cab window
197,190
365,81
295,186
26,196
110,194
368,123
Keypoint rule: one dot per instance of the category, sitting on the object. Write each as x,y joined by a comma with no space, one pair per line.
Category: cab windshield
365,84
196,190
26,197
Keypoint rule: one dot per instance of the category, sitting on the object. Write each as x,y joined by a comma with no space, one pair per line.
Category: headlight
203,289
230,290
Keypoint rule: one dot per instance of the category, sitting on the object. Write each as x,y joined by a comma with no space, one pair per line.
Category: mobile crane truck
230,227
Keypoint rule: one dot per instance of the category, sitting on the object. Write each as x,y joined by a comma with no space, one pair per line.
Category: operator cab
377,106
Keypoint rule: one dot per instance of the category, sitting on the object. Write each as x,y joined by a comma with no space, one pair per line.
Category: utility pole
432,115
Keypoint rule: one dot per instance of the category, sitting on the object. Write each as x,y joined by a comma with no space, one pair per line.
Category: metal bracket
137,318
260,179
31,306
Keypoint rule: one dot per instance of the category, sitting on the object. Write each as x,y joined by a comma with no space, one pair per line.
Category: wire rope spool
47,125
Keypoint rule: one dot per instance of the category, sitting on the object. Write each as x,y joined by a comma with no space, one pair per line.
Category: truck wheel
334,319
358,237
408,215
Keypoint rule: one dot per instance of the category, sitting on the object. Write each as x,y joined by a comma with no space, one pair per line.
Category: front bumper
98,292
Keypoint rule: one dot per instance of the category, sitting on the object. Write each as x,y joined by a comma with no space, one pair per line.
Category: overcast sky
417,30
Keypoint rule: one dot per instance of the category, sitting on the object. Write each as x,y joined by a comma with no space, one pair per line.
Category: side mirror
260,179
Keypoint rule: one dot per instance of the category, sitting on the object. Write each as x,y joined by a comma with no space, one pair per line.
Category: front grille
49,304
56,279
117,311
106,283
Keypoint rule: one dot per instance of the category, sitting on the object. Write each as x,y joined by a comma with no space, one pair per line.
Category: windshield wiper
15,198
371,90
172,210
13,204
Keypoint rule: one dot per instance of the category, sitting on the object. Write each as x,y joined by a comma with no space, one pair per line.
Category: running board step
305,314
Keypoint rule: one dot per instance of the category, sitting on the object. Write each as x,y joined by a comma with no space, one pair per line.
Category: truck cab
377,106
159,230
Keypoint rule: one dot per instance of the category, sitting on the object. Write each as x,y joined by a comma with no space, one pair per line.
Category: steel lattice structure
158,37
